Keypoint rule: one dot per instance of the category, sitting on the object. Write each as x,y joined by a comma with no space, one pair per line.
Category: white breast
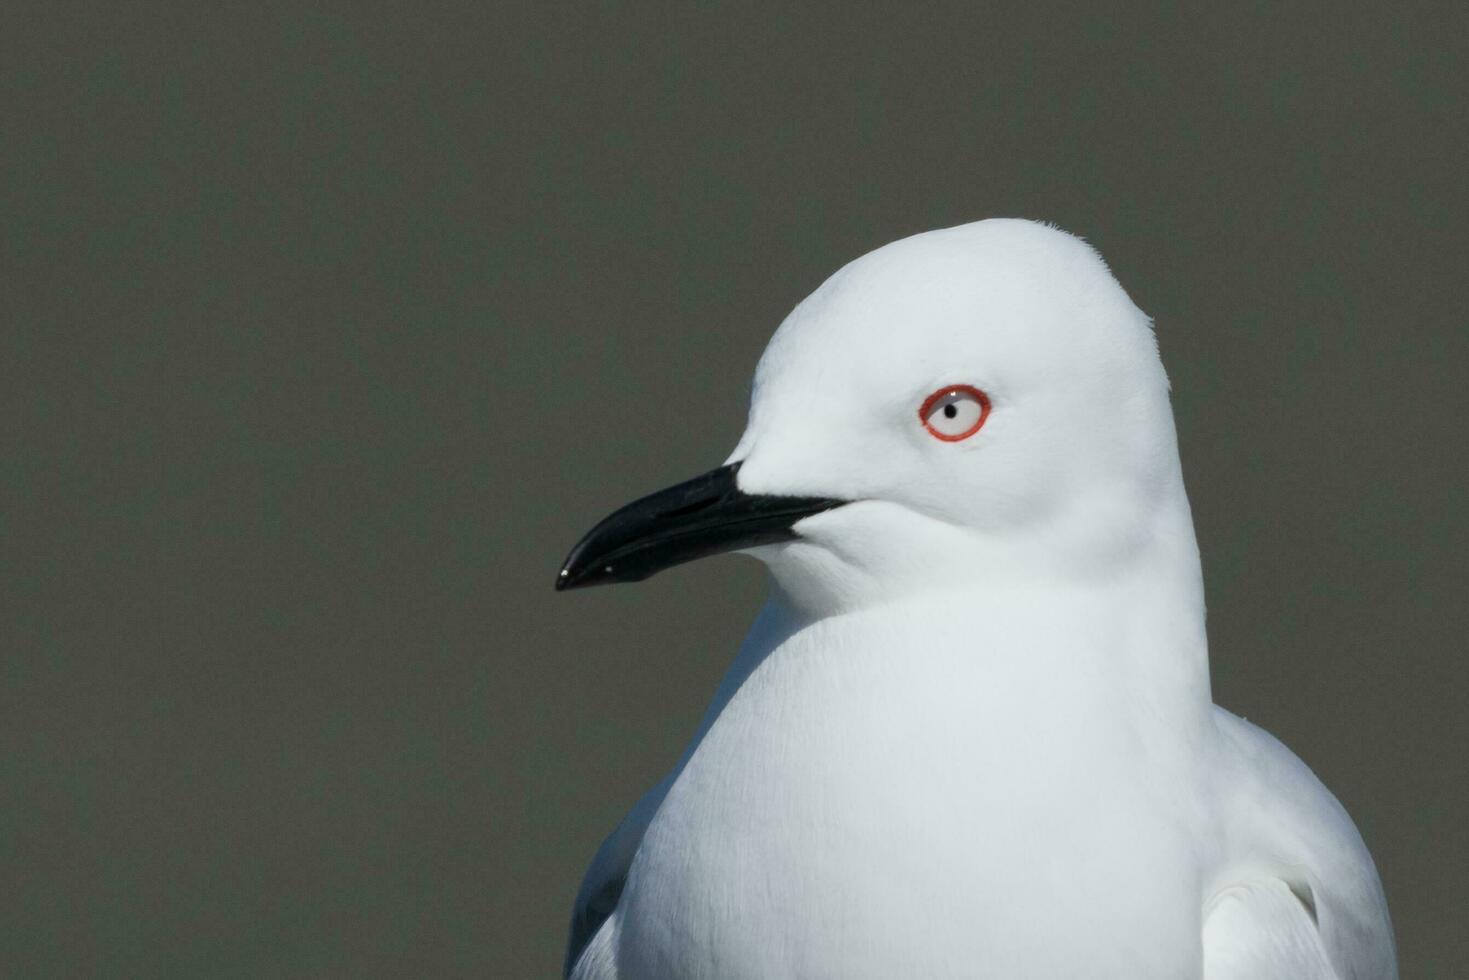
860,809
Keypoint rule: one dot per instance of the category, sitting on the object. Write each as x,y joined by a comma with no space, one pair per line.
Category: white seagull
971,733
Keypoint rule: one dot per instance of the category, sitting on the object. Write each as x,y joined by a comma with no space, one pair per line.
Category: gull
971,733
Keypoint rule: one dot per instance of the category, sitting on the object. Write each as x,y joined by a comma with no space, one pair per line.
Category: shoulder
601,887
1279,821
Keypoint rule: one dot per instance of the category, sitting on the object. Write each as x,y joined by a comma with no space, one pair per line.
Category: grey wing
601,888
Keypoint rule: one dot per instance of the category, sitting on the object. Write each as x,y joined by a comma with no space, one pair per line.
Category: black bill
703,516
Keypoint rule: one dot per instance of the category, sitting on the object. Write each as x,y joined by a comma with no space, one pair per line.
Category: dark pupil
950,411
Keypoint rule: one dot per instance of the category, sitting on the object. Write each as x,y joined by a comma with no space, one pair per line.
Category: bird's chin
867,553
810,579
840,563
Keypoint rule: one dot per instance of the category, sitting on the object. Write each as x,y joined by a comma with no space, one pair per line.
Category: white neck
1133,644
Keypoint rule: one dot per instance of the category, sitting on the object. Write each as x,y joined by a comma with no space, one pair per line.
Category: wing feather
601,888
1260,930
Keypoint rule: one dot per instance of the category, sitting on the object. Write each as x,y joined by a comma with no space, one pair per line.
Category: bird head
981,406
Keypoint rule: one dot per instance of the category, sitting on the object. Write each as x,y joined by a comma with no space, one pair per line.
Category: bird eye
954,412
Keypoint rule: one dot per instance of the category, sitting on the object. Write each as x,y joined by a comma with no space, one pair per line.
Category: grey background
328,331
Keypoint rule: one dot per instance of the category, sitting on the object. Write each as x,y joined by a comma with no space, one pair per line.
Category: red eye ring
949,391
